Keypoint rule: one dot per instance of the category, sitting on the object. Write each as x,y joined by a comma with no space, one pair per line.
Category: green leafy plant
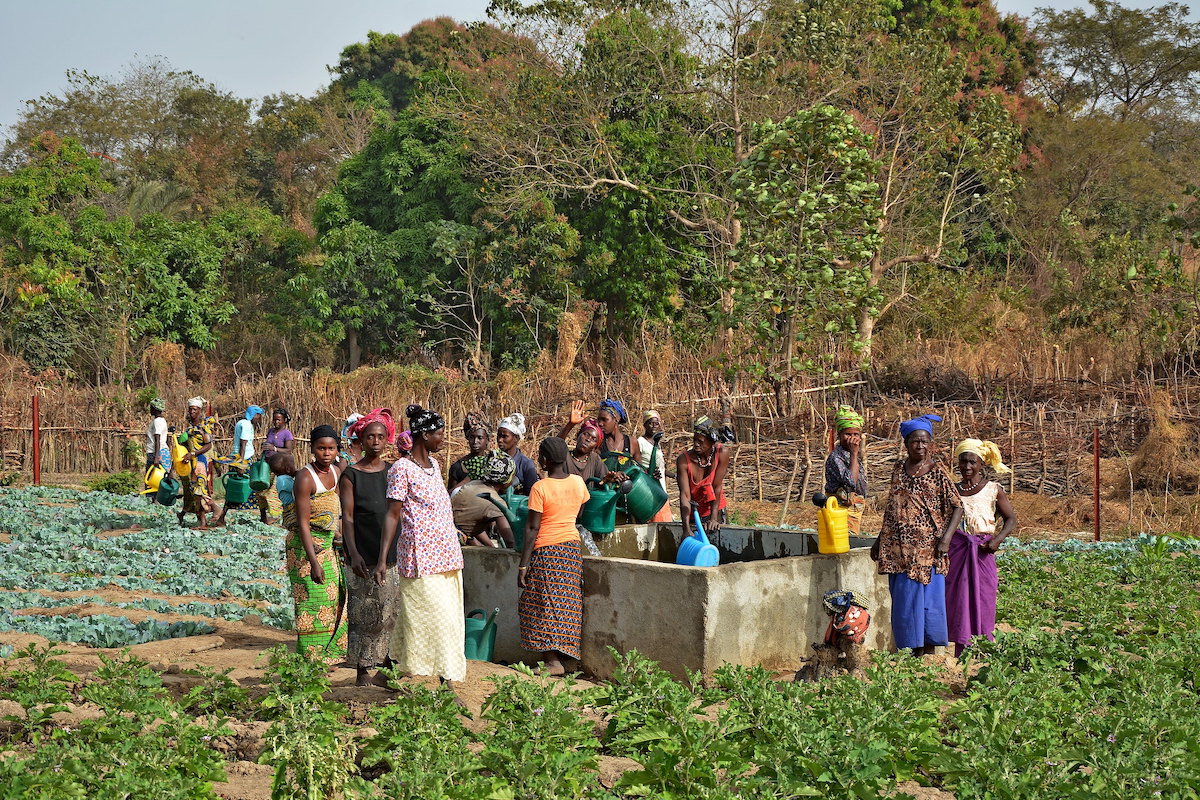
124,482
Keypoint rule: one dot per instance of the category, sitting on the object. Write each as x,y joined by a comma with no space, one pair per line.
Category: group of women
372,528
939,536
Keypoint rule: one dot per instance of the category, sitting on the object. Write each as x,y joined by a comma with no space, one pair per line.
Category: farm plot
1092,690
110,571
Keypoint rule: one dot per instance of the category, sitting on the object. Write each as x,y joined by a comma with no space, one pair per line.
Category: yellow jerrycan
179,455
833,534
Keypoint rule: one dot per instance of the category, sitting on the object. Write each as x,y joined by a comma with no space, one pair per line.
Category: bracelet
521,568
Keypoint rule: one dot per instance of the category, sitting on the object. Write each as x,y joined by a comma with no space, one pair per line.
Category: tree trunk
353,351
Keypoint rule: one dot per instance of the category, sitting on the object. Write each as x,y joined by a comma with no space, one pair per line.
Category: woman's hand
943,547
992,545
318,572
380,573
521,572
875,549
358,566
577,409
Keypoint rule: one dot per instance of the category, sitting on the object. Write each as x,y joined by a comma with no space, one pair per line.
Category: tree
1125,61
811,209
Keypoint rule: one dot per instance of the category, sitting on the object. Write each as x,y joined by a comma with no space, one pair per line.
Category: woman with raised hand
509,433
551,571
312,565
613,440
370,606
922,511
972,581
430,628
478,434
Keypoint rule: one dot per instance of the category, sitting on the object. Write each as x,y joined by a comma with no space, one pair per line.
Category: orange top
559,500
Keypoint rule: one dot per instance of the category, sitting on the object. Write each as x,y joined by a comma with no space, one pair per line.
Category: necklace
972,488
578,460
324,471
704,462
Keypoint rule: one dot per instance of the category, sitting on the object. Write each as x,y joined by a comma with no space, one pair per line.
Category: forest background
728,197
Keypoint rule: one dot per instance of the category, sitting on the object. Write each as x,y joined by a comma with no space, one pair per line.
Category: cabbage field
1092,690
60,547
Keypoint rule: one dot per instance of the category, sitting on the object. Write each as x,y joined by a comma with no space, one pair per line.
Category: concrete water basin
760,606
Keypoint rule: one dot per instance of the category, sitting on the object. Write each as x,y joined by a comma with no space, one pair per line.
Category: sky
251,48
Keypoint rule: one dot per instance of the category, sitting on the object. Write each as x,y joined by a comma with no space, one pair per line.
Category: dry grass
1167,457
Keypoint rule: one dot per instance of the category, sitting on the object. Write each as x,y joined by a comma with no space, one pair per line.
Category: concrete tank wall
755,612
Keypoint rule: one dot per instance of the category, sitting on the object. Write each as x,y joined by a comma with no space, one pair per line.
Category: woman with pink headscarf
371,606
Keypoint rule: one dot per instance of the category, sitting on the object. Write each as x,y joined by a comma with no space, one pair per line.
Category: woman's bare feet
552,666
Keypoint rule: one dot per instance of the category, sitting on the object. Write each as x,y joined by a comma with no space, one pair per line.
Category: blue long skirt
918,611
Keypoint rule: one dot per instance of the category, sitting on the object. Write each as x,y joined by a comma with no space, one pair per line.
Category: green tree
811,211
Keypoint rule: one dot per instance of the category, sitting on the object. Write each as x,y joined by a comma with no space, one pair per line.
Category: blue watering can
695,550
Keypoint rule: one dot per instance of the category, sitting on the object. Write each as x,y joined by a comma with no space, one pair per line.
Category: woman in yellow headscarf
845,468
972,580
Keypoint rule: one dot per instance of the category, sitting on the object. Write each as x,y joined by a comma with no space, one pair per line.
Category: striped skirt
551,607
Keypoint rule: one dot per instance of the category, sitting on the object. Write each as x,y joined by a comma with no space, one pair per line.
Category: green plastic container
481,635
237,488
168,490
516,511
646,497
600,512
260,476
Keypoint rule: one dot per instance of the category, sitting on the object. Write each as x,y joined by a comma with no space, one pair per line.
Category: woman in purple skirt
972,581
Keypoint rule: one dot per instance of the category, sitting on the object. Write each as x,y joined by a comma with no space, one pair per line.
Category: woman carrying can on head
972,582
922,511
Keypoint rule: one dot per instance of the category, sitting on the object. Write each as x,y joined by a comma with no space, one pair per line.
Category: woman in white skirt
429,632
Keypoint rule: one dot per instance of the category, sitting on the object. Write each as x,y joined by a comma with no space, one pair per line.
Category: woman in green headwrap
845,469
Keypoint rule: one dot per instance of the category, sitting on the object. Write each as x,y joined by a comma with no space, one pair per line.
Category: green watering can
480,635
647,495
260,476
516,511
237,488
600,513
168,490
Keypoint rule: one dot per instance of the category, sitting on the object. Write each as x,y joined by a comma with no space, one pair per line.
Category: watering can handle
699,533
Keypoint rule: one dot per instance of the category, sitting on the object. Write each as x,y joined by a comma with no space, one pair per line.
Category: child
283,467
551,571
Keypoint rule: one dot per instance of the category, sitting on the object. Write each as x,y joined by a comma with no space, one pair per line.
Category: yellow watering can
153,478
179,455
833,530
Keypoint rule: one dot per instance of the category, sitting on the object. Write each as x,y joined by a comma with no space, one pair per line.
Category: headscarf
381,415
421,420
615,407
838,601
593,426
157,404
650,414
324,432
704,427
254,411
846,418
494,466
514,422
350,420
475,420
988,452
553,450
197,402
921,423
404,442
283,412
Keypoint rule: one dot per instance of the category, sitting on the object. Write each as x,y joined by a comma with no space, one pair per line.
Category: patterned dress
317,604
197,490
430,630
913,521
